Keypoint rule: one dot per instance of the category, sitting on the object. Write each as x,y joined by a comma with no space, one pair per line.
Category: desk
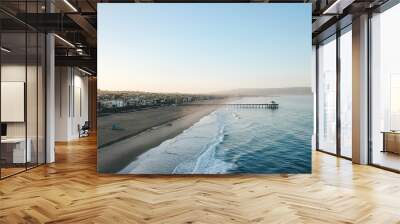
13,150
391,141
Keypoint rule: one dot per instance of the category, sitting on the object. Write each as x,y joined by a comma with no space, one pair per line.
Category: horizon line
143,91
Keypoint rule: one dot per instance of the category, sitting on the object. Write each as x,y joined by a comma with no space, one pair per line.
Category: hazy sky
200,48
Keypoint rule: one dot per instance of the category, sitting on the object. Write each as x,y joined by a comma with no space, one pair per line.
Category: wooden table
391,141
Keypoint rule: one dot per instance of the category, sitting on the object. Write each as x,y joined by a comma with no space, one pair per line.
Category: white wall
12,73
70,84
33,126
62,82
79,117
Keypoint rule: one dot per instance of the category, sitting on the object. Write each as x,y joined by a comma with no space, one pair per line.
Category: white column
360,90
50,99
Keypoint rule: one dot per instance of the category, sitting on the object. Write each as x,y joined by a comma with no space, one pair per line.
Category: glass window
41,99
327,96
394,101
346,93
22,92
314,90
385,89
14,153
31,97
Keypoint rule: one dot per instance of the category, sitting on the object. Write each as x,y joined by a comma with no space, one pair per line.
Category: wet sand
165,123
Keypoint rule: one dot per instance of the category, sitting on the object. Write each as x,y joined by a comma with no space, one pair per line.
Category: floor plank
70,191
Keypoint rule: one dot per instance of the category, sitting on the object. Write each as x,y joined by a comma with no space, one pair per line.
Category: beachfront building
112,103
115,102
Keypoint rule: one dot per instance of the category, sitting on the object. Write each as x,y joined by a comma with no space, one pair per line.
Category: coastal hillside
267,91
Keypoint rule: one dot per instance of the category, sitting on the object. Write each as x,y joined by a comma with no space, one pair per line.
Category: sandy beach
146,129
132,123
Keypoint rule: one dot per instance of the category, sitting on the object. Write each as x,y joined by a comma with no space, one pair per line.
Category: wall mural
204,88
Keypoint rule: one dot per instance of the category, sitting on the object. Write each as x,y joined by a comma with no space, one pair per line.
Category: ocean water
238,140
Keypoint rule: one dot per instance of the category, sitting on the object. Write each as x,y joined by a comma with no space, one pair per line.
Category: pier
240,105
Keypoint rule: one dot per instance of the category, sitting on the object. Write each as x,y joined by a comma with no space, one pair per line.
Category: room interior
48,92
24,76
385,90
22,102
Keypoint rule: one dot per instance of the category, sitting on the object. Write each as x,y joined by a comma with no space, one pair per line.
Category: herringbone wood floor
70,191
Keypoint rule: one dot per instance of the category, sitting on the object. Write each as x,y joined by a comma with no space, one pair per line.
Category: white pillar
360,90
50,98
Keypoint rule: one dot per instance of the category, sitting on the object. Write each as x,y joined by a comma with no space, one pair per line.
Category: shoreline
115,156
119,126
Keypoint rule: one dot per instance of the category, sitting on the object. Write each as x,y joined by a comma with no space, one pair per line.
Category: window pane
346,93
31,100
327,96
23,90
13,86
41,99
386,89
394,102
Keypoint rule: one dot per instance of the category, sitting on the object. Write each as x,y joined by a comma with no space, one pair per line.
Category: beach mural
204,88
